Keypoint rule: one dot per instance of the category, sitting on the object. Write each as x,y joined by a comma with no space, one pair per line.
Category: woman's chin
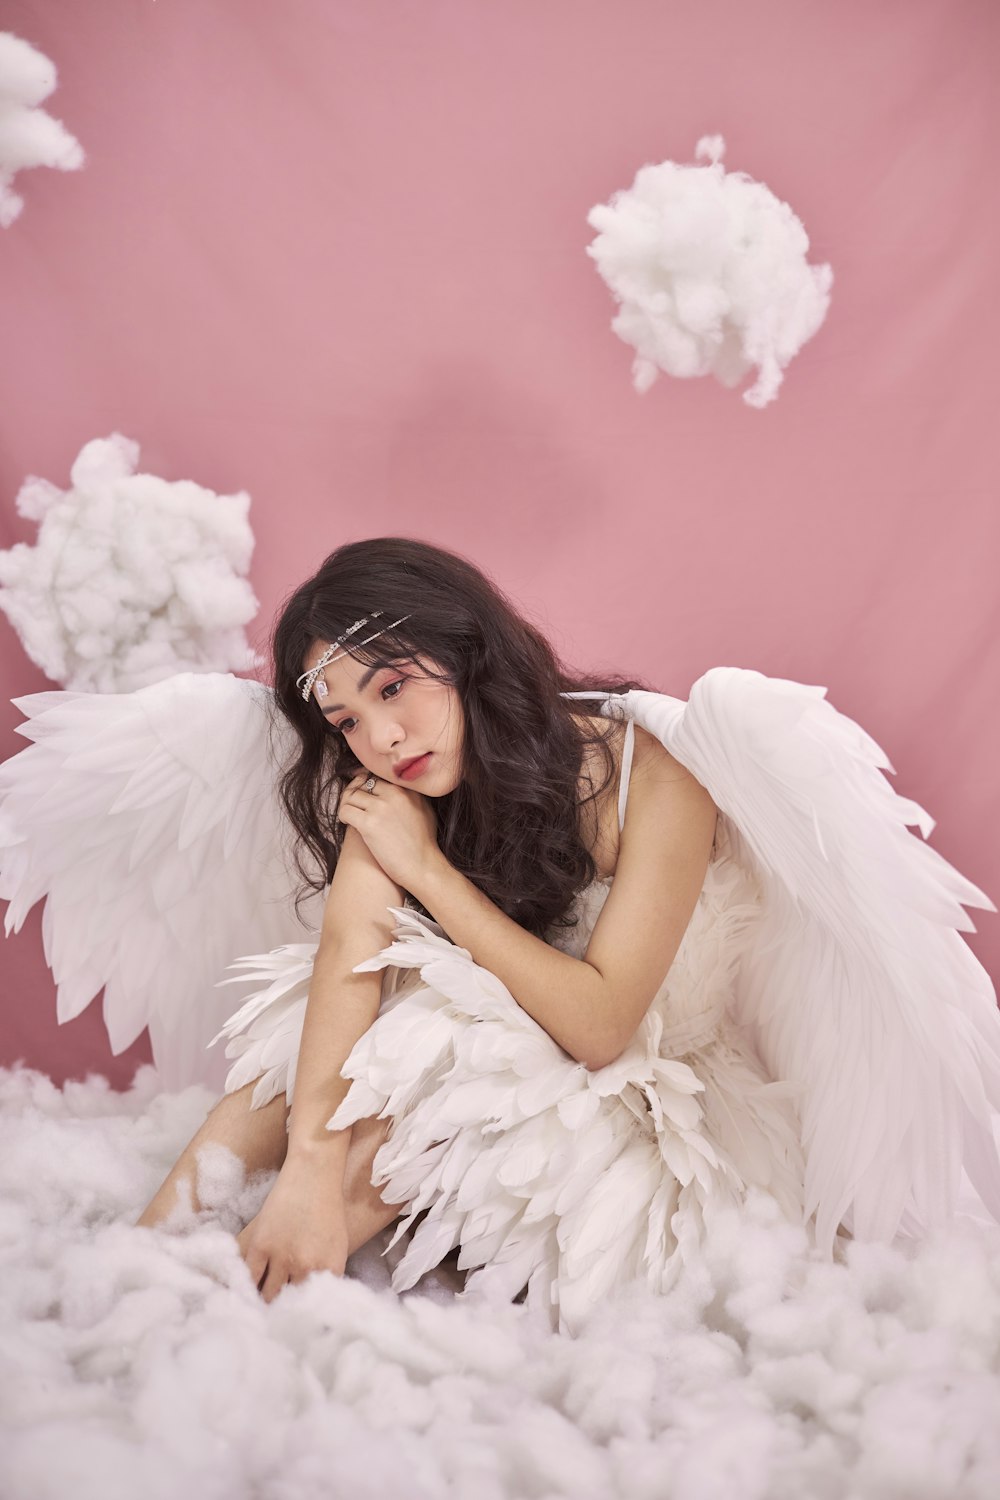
439,784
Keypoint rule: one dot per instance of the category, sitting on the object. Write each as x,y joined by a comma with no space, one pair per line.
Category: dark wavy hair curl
512,825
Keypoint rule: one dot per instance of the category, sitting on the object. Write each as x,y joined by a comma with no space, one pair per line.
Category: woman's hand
399,828
301,1228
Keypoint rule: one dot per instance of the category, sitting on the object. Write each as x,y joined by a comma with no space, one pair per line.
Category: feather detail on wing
857,986
149,822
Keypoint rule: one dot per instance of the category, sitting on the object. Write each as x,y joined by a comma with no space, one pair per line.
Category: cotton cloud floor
137,1363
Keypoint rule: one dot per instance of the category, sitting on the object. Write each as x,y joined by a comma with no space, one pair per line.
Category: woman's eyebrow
363,681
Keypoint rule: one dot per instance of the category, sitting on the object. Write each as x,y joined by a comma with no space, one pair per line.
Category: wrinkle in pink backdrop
334,254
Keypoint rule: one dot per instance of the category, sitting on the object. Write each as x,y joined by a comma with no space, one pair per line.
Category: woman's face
391,715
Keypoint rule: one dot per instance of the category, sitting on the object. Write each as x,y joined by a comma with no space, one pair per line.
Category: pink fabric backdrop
333,253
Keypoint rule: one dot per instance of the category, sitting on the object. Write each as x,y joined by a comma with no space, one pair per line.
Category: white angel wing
858,986
150,823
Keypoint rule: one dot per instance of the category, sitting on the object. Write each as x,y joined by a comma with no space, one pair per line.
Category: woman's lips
416,768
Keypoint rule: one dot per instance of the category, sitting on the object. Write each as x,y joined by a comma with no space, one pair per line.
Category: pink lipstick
415,768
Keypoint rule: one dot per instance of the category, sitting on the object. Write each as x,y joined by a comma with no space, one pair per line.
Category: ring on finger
369,785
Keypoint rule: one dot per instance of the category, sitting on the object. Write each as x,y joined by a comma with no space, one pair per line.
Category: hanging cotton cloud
29,136
132,577
709,269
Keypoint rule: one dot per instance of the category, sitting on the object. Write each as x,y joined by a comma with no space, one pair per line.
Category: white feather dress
824,1033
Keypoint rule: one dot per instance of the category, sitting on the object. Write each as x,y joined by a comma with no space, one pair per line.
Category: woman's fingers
352,786
256,1261
274,1275
275,1280
266,1274
280,1275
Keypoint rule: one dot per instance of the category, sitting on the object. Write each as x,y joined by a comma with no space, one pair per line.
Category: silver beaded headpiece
333,652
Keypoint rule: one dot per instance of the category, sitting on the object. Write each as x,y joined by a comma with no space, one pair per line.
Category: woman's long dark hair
512,825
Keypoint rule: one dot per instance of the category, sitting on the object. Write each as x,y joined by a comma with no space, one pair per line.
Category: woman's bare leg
366,1212
259,1138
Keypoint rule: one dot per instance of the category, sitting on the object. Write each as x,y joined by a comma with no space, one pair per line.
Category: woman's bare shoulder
598,813
652,758
652,765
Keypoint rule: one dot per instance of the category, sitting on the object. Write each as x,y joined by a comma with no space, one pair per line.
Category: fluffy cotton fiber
139,1362
709,270
29,136
132,577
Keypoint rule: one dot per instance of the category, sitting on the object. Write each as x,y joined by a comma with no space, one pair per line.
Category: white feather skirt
551,1180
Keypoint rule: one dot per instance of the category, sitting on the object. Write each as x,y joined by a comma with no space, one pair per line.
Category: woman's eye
344,724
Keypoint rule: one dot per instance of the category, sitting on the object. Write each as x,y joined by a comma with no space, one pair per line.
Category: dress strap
626,772
597,694
627,750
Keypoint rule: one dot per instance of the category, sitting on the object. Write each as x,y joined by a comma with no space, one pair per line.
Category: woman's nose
386,736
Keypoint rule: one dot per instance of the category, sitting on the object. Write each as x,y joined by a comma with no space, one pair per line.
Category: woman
493,830
620,993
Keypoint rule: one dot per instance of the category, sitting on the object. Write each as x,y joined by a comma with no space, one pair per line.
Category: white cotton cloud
29,136
132,577
144,1361
710,273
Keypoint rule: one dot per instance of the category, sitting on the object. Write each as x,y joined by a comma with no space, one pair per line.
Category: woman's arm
592,1006
302,1226
341,1005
